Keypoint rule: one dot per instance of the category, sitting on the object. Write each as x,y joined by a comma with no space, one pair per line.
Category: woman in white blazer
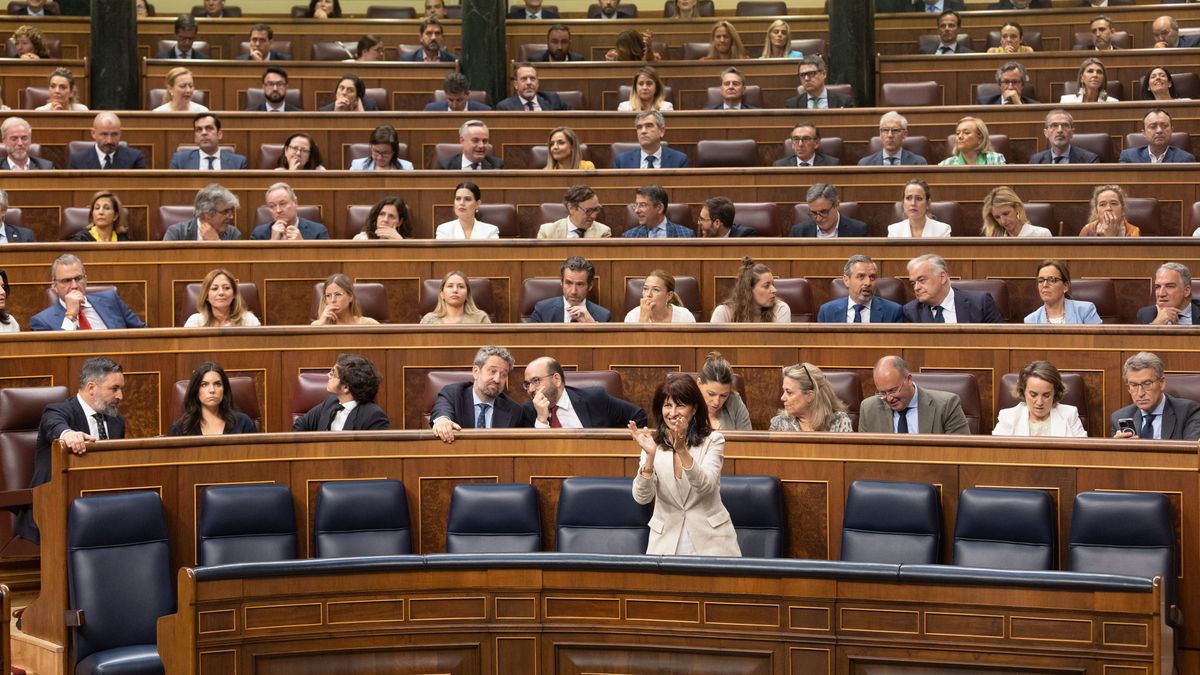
680,472
1041,411
917,222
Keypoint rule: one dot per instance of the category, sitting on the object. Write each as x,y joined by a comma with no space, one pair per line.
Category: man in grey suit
481,403
214,207
207,155
18,136
826,220
893,129
812,73
1153,414
577,275
900,406
806,148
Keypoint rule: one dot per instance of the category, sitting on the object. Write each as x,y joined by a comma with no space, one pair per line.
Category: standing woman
562,151
809,402
388,219
1041,411
680,471
467,198
106,220
778,43
220,303
62,92
726,410
1004,216
1092,83
725,43
339,306
917,222
1108,218
208,407
180,89
660,303
648,92
753,298
455,304
972,145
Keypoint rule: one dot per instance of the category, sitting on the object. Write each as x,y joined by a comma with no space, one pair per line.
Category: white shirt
454,230
626,106
567,417
282,107
657,155
678,315
933,228
821,100
100,155
947,305
11,327
90,312
93,425
192,107
866,311
566,306
216,165
196,321
339,418
466,164
1031,230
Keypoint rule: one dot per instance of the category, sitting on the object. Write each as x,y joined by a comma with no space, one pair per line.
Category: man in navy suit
18,136
861,305
1173,303
457,90
733,91
37,8
275,90
652,153
481,403
476,141
558,46
1022,4
938,302
185,36
893,129
431,44
532,9
1059,130
577,276
107,153
12,234
1101,29
826,219
949,23
1011,78
650,207
1156,127
813,72
94,414
261,35
208,155
716,220
527,97
938,6
554,405
353,384
75,308
806,148
287,223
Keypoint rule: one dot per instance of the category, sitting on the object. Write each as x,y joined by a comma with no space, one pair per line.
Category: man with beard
1059,130
275,89
554,405
558,45
431,50
480,403
861,305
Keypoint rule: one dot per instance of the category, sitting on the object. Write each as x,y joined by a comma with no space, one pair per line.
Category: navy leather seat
755,505
493,518
362,518
1005,529
892,522
246,523
120,578
598,515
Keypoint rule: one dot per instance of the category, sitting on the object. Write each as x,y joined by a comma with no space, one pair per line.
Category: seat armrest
12,499
73,618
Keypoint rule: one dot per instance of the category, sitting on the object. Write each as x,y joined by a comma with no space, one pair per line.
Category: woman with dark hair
753,298
809,402
680,471
350,96
385,152
1041,411
106,221
8,322
208,407
632,45
388,219
1158,85
300,153
369,48
725,407
1054,287
324,9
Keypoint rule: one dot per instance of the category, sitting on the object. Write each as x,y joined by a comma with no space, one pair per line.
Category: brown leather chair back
534,291
998,288
191,295
435,381
742,152
335,50
380,96
847,388
574,98
1042,215
915,144
797,293
888,288
1076,393
752,96
309,393
370,296
762,217
33,97
911,94
609,380
20,415
389,12
444,151
548,212
532,49
169,214
761,8
809,46
503,216
268,155
1192,225
1184,385
481,293
308,212
245,397
687,288
74,219
966,387
356,219
1100,292
1099,143
1145,213
254,95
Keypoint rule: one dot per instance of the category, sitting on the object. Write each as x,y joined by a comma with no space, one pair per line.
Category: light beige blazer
559,228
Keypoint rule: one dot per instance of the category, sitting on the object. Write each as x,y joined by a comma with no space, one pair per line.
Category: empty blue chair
246,523
360,518
755,505
892,522
1005,529
493,518
599,515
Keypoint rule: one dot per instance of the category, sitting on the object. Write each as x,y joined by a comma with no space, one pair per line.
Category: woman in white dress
467,199
180,89
1004,216
61,92
660,303
917,223
1041,411
220,303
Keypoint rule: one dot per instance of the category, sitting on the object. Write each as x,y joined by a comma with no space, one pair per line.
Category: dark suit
969,307
56,419
882,311
1180,419
547,100
368,105
1187,41
674,230
110,307
419,56
271,56
1111,3
1146,314
34,163
455,402
188,230
364,417
1036,4
818,159
597,410
544,57
443,106
742,231
455,163
958,49
671,159
996,100
124,158
620,15
190,159
287,107
308,230
173,54
18,235
721,106
938,412
519,13
833,98
947,5
47,10
846,227
551,310
1142,155
1075,155
906,159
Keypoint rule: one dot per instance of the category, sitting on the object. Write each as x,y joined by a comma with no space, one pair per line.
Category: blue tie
1147,425
474,166
210,159
902,423
481,421
937,315
650,162
892,161
858,313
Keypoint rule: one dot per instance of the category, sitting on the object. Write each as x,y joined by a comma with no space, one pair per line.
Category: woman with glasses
300,153
1041,411
385,152
809,402
339,306
1054,287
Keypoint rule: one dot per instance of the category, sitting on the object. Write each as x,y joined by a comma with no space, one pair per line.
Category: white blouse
453,230
197,321
678,315
626,106
933,228
192,107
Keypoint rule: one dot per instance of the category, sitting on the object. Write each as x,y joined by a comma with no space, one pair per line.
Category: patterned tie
211,159
858,313
650,162
902,422
107,162
1147,426
336,409
481,421
101,431
937,315
579,232
554,423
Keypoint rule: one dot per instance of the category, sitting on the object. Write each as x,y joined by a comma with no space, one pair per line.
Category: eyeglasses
334,296
891,131
533,382
889,393
808,73
803,139
1011,83
78,279
594,211
298,149
1048,281
1143,386
274,85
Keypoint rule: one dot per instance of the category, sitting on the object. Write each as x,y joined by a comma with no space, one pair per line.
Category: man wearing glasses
806,148
214,208
939,302
893,129
75,308
275,89
826,222
554,405
1059,132
583,208
1011,78
1153,414
812,77
286,221
899,406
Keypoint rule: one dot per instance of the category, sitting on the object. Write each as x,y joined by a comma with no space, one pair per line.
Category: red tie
84,324
554,423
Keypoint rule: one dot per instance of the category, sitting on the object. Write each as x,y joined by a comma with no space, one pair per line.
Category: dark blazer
906,159
455,401
958,48
547,100
419,56
970,306
85,236
1036,4
721,106
995,100
1142,155
1075,155
882,311
34,163
671,159
835,100
1188,41
597,410
1111,3
18,235
287,107
847,227
455,163
242,424
368,106
187,230
819,159
741,231
271,56
1146,314
947,5
519,13
190,159
48,10
170,54
57,418
364,417
308,230
108,305
551,310
1180,422
620,15
544,57
443,106
124,158
674,230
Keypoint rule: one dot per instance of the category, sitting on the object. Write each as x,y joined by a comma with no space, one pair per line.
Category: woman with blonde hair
180,89
660,303
562,151
972,145
339,306
725,407
725,43
1004,216
647,93
106,220
455,304
809,403
778,43
753,298
1108,217
30,43
682,9
62,92
1091,83
220,303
